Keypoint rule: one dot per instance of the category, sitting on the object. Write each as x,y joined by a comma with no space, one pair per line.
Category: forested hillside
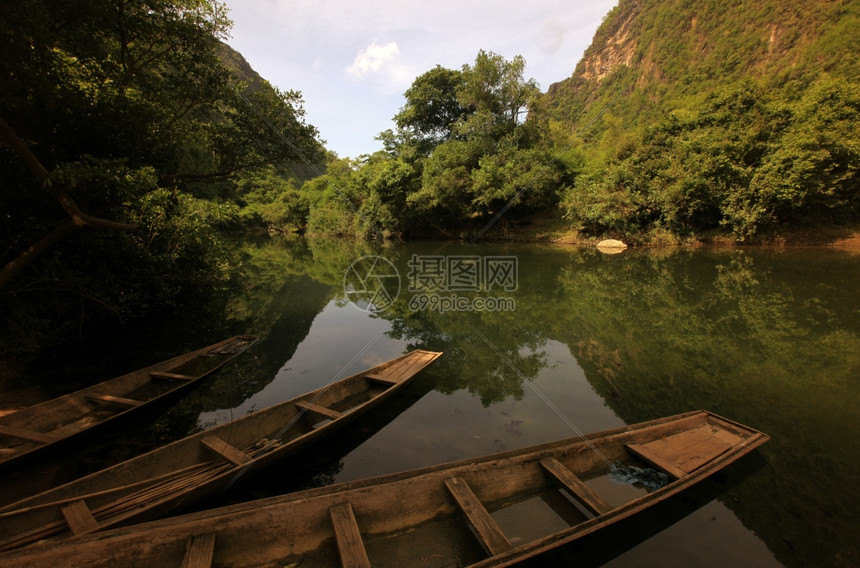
737,117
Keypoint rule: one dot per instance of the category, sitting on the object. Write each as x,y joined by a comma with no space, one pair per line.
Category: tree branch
66,201
12,269
18,146
213,176
78,217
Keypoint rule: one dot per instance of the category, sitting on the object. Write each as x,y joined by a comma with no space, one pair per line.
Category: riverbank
551,227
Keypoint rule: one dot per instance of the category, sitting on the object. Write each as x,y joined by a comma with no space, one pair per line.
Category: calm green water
770,338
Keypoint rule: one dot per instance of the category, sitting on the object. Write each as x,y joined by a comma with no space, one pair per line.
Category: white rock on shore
611,246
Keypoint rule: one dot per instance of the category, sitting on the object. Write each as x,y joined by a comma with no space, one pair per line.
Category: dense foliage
748,162
733,118
463,152
125,135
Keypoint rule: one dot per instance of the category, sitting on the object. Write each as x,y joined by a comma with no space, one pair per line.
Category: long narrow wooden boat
37,428
491,511
195,467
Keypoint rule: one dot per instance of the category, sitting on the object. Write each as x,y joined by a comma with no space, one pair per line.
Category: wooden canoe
195,467
491,511
37,428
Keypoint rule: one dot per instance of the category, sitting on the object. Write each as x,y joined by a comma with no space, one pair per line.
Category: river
540,341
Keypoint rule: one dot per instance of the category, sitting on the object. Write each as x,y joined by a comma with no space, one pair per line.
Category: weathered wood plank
656,460
346,532
130,402
380,379
673,443
728,433
687,451
24,434
487,530
173,376
199,551
79,517
726,426
575,485
693,457
225,450
321,410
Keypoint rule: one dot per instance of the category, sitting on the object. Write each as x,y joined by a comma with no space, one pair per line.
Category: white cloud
353,59
372,58
381,66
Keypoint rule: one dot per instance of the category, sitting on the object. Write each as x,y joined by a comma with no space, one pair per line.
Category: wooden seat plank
130,402
321,410
164,375
346,532
199,551
24,434
687,451
225,450
79,517
695,456
233,346
727,435
658,461
676,443
575,485
487,530
380,379
408,366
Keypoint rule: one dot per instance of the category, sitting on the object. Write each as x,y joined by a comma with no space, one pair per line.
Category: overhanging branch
38,170
12,269
78,217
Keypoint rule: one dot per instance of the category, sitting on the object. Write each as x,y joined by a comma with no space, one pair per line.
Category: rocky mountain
664,54
710,117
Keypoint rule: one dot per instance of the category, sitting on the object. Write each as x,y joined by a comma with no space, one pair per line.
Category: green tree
432,107
490,162
811,176
106,106
498,86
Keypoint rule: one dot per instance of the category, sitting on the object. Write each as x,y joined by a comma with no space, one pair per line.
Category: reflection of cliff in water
759,339
293,308
281,326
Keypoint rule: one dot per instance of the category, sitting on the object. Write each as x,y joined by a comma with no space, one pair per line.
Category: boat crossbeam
346,532
486,529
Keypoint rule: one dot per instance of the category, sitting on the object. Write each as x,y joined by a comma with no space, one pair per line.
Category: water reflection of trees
769,338
766,337
761,336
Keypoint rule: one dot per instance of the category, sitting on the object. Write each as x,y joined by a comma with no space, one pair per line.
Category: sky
352,60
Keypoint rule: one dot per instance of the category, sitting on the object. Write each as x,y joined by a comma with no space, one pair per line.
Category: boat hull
370,518
39,429
196,467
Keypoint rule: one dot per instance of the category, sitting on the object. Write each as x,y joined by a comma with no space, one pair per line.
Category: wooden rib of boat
491,511
34,429
190,469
